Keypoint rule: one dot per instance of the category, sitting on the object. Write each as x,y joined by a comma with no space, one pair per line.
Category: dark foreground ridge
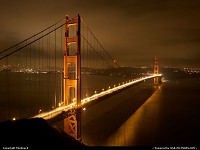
35,133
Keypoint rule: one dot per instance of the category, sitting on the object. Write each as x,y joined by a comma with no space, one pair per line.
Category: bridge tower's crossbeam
72,85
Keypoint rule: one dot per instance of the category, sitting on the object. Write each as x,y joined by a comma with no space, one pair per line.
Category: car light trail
96,96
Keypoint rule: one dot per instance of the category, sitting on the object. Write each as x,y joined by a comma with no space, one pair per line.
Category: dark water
23,95
143,115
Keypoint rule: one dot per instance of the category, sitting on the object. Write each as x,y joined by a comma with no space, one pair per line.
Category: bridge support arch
72,85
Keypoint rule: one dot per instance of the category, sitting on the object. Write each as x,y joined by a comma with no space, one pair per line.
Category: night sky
132,31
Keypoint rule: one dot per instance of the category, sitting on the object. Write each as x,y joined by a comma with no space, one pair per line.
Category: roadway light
84,108
14,119
40,111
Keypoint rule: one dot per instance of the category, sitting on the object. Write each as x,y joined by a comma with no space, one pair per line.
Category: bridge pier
72,124
157,80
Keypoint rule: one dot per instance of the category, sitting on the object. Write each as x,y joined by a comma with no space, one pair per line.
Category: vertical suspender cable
19,86
42,70
7,82
48,68
39,73
26,75
34,76
55,70
87,62
61,70
16,72
30,75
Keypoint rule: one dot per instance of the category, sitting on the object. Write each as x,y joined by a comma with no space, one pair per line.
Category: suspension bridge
55,73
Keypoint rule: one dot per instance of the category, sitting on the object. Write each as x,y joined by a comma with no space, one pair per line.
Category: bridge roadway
58,110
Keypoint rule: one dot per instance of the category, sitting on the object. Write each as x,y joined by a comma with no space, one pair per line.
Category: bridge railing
57,113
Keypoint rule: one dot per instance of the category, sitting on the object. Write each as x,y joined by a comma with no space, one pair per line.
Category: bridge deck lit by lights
57,111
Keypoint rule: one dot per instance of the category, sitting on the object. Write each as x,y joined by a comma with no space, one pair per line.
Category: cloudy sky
132,31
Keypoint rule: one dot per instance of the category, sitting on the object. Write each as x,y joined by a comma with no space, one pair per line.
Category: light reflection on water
167,117
128,132
103,119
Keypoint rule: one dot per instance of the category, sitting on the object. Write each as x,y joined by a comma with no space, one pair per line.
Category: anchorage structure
72,85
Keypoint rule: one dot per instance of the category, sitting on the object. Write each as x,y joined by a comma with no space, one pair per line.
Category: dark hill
35,134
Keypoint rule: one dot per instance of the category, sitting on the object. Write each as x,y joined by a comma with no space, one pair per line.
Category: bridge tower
72,84
156,70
